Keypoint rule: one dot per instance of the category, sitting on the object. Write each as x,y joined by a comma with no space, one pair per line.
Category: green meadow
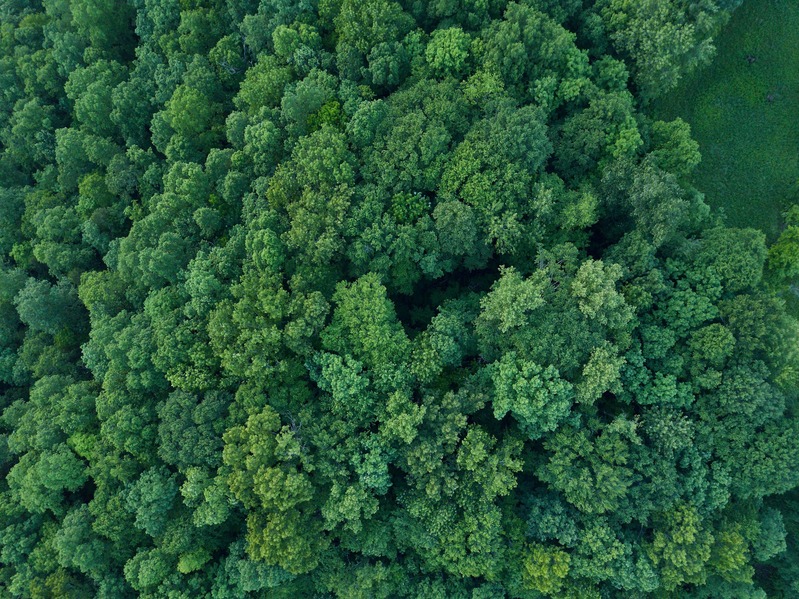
744,112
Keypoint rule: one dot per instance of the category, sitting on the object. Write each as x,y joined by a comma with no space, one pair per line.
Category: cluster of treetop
380,299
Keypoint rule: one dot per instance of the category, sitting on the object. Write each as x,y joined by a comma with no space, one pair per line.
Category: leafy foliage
380,299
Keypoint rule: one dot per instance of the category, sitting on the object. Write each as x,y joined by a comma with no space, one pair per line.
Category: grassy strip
744,112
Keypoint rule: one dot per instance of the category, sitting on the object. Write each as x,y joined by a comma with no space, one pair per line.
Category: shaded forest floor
744,112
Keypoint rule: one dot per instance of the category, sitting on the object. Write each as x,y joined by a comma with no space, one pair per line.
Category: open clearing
744,112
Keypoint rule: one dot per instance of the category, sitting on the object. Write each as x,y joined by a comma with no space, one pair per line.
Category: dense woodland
381,299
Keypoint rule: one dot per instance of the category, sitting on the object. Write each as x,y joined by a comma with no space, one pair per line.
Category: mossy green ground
745,115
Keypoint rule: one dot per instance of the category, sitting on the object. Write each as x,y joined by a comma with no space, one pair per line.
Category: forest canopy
381,299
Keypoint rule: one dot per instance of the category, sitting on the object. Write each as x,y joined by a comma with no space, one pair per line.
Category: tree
90,88
662,40
673,149
106,30
263,476
364,26
782,262
527,45
537,397
605,129
151,498
30,138
365,326
38,480
263,85
448,51
190,430
51,309
681,547
592,471
734,256
545,569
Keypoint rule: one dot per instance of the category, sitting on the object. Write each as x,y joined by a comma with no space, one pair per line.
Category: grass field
744,112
